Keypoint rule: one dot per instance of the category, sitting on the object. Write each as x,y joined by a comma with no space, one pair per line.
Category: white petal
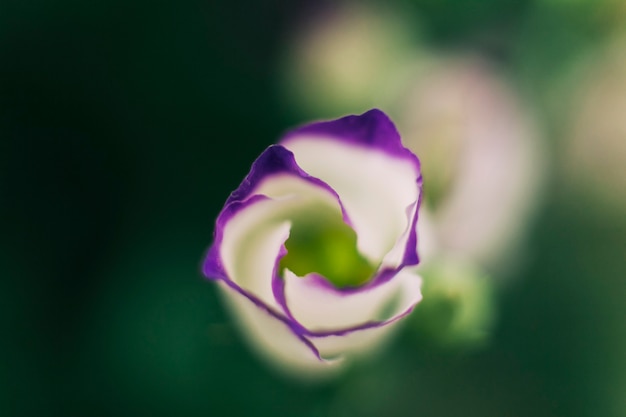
319,307
375,187
358,343
253,239
367,339
273,339
284,186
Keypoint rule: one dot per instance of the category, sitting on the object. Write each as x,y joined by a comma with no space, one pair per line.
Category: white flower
313,250
482,157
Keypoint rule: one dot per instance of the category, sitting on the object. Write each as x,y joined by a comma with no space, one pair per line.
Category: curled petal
319,308
404,251
364,337
384,176
252,241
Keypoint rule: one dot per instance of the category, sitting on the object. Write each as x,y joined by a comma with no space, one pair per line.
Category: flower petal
404,251
272,337
367,336
275,162
360,342
252,243
318,307
363,160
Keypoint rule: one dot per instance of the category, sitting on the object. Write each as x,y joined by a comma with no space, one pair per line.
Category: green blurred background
125,125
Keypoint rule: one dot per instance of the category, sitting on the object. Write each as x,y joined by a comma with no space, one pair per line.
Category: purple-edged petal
366,336
372,129
275,162
359,342
363,160
319,307
251,244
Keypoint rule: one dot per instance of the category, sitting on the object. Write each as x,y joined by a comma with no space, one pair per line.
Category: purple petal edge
372,129
276,159
363,326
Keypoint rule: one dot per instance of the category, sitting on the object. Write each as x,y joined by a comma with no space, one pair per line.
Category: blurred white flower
482,157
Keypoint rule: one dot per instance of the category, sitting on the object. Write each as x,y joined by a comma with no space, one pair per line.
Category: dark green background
123,128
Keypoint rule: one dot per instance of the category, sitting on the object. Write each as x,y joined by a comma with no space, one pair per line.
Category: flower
313,251
483,157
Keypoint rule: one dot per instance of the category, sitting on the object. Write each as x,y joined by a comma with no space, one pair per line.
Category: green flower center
321,242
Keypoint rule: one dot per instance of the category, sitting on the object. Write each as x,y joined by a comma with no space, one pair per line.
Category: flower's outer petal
319,307
306,190
275,162
252,243
363,160
360,342
367,336
273,338
252,228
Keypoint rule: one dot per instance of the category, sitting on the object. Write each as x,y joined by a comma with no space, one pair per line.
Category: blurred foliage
124,126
